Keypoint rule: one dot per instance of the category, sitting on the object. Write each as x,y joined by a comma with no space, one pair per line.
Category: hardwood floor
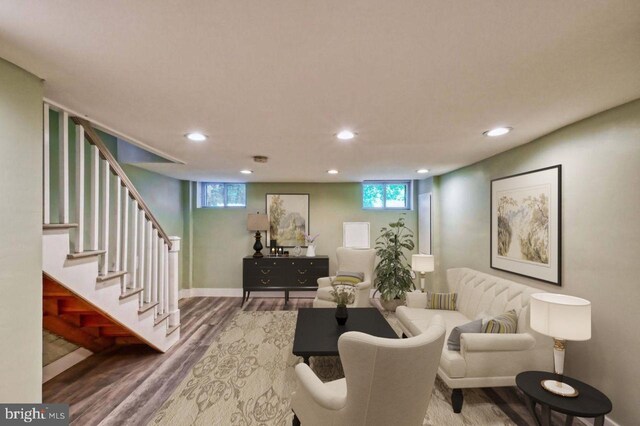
125,385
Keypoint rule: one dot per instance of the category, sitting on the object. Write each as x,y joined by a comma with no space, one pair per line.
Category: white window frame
384,183
201,192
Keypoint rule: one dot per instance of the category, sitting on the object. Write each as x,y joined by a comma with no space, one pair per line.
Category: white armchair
351,260
387,381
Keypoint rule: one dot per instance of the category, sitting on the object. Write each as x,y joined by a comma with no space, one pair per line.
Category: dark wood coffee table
317,331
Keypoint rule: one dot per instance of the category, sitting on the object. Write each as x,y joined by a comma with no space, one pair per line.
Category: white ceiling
418,80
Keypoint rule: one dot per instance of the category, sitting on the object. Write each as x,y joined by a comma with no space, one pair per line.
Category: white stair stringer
79,276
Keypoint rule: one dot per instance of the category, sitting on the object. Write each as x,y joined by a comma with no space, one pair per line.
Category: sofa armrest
363,285
325,281
494,342
317,390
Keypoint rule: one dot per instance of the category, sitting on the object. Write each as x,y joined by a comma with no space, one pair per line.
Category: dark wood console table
282,273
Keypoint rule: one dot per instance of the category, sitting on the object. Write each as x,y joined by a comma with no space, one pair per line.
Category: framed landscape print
525,224
288,218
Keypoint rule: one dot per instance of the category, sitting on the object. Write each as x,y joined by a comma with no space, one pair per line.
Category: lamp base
258,245
559,388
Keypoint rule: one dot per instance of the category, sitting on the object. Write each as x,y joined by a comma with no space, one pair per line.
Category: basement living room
334,213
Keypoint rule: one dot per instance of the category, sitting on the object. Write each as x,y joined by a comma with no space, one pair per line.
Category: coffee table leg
305,359
531,405
569,421
598,421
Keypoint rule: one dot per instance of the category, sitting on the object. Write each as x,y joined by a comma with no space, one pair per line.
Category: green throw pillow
504,323
348,278
444,301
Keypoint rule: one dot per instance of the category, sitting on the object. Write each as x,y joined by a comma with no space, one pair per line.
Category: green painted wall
21,234
221,239
600,159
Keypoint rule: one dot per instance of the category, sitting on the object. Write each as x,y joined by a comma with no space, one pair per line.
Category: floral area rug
247,376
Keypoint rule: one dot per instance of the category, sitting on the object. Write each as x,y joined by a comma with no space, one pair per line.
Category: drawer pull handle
302,272
302,281
265,271
265,281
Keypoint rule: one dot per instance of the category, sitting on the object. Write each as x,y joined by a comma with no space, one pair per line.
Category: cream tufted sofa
484,360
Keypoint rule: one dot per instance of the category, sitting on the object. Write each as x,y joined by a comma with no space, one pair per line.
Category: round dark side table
590,402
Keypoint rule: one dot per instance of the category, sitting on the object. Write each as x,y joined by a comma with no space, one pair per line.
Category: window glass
236,195
372,195
386,195
223,194
396,196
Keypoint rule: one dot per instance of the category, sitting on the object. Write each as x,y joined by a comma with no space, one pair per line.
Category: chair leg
296,420
456,400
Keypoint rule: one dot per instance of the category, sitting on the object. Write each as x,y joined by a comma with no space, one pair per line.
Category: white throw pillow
417,299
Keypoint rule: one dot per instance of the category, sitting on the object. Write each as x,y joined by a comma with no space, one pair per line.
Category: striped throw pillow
504,323
444,301
348,278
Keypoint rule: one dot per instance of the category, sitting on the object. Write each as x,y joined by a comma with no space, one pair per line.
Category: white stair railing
115,223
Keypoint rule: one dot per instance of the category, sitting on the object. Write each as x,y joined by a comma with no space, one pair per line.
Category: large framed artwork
526,224
288,218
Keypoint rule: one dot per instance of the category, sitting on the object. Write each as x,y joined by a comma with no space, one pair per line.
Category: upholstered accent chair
351,260
387,381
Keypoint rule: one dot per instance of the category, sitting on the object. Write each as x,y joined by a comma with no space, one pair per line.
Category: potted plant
343,295
393,272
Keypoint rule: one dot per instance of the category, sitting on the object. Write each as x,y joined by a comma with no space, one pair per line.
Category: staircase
110,276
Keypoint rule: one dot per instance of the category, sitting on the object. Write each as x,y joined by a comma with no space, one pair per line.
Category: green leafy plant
343,295
393,273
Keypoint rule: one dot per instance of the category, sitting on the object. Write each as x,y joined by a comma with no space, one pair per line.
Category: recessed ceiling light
422,171
196,136
332,172
246,171
345,135
498,131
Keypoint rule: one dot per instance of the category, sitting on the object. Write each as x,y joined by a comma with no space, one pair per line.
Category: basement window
386,195
220,195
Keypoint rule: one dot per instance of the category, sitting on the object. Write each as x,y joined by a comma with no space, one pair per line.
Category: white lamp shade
257,222
561,316
422,263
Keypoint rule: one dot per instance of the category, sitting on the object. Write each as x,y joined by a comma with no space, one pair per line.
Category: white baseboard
237,292
66,362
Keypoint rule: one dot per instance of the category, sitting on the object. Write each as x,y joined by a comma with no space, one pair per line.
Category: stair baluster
79,207
46,167
63,167
125,238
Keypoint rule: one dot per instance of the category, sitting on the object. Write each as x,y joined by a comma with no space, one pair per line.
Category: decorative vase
341,314
311,250
392,305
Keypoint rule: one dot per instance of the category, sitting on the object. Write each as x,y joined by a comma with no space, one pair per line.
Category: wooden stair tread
147,307
172,328
130,292
160,318
85,254
111,275
47,226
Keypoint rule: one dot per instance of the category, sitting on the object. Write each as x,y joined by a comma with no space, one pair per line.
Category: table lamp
563,318
422,263
258,223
